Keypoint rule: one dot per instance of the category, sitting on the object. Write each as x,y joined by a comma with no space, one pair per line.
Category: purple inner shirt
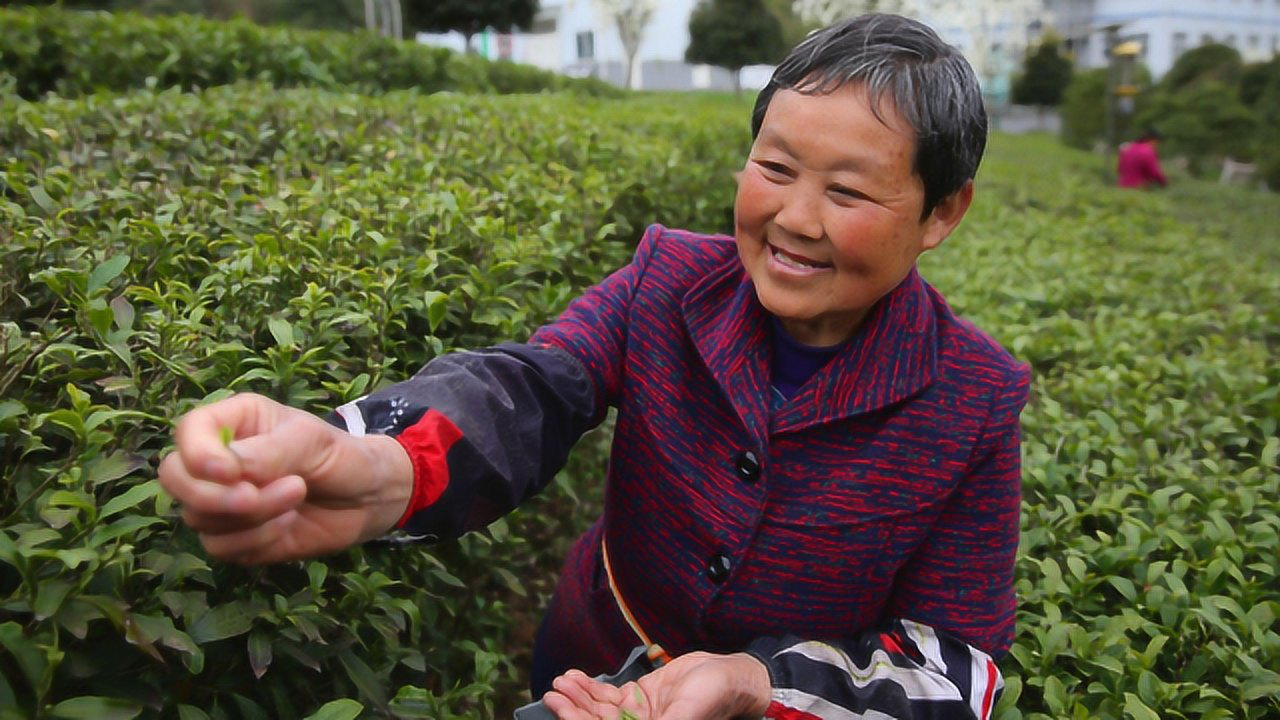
794,362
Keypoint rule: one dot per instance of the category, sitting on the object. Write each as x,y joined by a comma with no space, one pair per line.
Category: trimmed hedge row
1149,576
50,50
160,249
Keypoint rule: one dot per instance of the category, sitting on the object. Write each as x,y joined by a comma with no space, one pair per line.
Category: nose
798,213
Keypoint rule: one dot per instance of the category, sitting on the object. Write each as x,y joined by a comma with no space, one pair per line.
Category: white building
1166,29
993,36
579,38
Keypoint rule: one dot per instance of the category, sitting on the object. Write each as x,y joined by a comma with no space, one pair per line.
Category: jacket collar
892,356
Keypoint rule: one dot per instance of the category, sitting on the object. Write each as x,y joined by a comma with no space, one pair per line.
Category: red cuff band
778,711
427,442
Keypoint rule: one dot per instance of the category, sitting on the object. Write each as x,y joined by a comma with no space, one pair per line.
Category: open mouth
794,261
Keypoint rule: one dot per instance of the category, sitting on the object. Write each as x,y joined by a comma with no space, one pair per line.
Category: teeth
792,262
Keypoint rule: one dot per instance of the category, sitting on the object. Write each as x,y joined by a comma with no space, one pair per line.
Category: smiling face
827,216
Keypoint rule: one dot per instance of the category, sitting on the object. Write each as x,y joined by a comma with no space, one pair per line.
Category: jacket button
748,466
718,568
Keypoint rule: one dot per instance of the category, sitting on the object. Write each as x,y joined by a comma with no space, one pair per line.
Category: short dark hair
929,81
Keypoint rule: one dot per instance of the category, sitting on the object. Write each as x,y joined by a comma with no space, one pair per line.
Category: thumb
201,435
300,445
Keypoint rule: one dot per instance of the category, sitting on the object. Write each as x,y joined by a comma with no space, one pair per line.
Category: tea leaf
106,272
96,708
338,710
282,331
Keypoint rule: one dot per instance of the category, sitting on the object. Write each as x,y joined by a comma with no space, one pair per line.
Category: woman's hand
288,486
697,686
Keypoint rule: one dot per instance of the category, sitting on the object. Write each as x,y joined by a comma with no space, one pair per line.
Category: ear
946,216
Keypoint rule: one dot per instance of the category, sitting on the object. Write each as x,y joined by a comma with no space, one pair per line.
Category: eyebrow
845,165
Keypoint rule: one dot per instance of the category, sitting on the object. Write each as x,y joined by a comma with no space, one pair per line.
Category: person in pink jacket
1138,166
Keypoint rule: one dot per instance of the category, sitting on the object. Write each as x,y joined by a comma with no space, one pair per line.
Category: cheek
752,202
861,239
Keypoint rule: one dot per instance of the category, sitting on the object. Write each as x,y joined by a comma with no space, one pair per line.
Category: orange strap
656,654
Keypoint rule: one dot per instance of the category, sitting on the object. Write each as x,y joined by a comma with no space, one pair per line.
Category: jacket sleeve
1154,173
952,604
487,429
901,670
1151,167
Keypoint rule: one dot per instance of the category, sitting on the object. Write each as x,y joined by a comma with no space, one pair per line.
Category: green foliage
1083,108
1204,122
1208,63
1083,112
468,16
1206,112
1149,569
69,53
734,33
1260,90
794,28
315,14
161,249
1046,72
1259,80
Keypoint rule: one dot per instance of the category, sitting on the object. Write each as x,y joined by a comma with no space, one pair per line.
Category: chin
783,307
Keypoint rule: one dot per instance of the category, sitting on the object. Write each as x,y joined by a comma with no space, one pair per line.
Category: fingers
634,700
199,433
564,708
578,697
249,506
252,504
298,445
259,544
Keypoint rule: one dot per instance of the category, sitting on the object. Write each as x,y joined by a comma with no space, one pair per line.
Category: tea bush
165,248
159,249
45,50
1149,575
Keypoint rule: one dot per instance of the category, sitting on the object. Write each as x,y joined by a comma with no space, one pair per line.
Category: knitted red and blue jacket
859,540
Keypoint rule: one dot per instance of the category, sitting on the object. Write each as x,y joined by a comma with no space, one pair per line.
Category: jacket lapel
892,357
728,327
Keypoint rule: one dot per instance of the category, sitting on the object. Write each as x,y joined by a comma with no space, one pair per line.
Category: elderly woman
812,500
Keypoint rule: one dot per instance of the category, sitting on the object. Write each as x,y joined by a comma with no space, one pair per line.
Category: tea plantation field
160,248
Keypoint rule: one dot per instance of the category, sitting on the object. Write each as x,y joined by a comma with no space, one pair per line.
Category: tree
1083,108
1208,63
825,12
1260,81
1207,111
1045,75
794,28
468,16
732,34
1204,122
631,17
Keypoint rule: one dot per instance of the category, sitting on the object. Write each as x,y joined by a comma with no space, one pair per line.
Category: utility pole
1112,32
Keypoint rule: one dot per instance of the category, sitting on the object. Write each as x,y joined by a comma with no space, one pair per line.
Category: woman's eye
777,168
845,192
